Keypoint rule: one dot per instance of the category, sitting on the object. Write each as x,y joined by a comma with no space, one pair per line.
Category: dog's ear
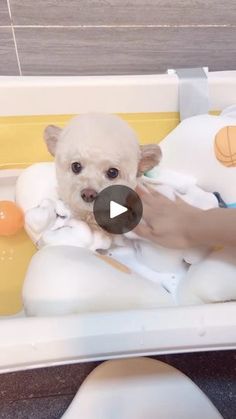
51,136
150,157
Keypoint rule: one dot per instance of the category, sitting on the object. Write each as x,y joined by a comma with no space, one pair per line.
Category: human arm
176,224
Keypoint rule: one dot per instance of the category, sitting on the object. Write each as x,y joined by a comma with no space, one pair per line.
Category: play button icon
118,209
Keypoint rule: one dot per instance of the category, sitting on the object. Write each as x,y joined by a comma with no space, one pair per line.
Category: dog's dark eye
76,167
112,173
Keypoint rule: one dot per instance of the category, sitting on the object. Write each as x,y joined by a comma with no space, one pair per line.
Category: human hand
165,222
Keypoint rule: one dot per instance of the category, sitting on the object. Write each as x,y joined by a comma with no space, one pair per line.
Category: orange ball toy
11,218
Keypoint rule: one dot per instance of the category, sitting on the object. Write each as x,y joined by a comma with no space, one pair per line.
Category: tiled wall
69,37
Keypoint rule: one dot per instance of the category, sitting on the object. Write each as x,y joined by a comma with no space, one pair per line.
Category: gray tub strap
193,91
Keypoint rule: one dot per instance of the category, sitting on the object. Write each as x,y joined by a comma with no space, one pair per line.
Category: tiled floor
46,393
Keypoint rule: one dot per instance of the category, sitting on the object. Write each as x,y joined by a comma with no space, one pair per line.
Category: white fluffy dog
95,151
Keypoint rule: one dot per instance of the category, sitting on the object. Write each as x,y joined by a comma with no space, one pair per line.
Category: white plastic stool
139,388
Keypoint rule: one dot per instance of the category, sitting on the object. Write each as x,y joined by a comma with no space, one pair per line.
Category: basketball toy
225,146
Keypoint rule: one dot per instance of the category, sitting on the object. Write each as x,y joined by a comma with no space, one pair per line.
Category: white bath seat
139,388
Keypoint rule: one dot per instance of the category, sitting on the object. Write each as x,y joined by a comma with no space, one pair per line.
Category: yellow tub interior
21,144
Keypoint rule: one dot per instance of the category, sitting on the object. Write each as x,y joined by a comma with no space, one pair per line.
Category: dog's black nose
88,194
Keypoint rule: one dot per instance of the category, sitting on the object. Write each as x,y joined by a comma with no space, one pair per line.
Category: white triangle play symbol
116,209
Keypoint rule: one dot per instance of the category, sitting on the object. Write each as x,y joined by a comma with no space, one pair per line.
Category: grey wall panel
63,51
4,14
8,61
118,12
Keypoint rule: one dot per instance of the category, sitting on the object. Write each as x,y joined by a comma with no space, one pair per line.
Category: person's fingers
141,188
151,197
181,202
144,231
142,191
152,208
149,213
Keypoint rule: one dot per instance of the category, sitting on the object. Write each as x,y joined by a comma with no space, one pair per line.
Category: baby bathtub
150,105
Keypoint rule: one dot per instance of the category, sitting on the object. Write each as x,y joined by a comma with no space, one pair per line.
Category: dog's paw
61,210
